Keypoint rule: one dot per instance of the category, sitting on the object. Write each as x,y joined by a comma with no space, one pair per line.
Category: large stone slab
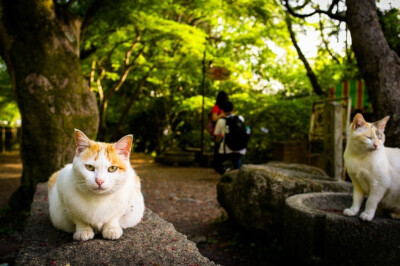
317,233
255,195
152,242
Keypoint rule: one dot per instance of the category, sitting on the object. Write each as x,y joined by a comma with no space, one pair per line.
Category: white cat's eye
112,169
89,167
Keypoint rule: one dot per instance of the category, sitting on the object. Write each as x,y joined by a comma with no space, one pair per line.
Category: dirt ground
184,196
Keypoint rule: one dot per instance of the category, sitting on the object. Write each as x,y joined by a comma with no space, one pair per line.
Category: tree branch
310,73
321,29
127,68
130,103
329,13
92,10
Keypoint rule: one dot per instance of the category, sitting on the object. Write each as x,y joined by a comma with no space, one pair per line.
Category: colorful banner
357,91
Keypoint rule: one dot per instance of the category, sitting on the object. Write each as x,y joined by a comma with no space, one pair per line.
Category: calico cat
373,168
98,192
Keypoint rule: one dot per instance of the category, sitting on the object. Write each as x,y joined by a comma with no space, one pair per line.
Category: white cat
98,192
373,168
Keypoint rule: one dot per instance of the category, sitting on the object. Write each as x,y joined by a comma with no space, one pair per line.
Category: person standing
222,129
216,114
216,111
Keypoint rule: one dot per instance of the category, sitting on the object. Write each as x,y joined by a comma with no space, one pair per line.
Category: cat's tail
52,180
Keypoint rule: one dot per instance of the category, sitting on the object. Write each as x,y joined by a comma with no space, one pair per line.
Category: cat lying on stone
98,193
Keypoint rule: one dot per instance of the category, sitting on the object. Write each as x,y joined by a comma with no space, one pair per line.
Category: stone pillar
333,140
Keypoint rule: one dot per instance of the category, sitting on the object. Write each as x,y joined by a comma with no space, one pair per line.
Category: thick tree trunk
379,65
40,46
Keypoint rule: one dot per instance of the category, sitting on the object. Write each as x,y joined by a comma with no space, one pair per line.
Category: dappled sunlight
141,159
10,165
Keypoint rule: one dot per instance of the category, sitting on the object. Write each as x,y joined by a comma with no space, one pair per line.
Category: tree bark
40,45
379,65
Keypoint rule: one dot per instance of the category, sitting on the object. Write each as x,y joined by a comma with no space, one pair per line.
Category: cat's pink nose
375,146
99,181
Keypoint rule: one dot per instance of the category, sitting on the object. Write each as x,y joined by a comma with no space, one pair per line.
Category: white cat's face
102,167
368,136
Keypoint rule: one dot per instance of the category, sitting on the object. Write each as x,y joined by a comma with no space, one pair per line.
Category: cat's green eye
89,167
112,169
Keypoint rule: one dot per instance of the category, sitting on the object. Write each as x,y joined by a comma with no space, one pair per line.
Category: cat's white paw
112,233
350,212
83,235
395,215
366,216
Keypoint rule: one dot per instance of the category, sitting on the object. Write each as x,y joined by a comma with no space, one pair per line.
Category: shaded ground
184,196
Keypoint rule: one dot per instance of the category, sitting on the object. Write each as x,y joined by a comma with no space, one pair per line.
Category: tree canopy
144,61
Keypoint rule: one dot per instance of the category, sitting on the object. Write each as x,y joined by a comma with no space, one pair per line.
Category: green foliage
390,22
144,60
9,113
167,40
272,119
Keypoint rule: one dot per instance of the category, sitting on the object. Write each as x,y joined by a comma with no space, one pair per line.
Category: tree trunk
379,65
40,46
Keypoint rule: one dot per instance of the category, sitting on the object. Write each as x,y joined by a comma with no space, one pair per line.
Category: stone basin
255,195
315,232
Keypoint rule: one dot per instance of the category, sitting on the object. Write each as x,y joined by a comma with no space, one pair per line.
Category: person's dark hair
227,106
221,97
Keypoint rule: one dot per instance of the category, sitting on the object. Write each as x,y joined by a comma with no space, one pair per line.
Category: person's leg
218,163
215,157
236,159
239,161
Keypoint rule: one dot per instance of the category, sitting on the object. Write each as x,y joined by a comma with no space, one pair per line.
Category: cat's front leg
83,232
112,230
373,200
358,198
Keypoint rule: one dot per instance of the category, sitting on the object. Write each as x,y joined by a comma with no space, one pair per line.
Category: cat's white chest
95,211
367,171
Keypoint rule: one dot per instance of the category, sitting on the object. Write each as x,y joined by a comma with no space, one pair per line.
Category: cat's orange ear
82,142
358,121
381,124
124,146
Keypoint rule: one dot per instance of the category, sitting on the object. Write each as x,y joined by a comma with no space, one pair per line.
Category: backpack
236,133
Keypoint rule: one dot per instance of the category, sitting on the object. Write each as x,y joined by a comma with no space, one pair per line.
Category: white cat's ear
358,121
124,146
381,124
82,142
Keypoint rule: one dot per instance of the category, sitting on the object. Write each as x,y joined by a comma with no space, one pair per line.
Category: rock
255,195
152,242
301,169
317,233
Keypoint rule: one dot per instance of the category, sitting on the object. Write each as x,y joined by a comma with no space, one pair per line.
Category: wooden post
203,86
333,140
